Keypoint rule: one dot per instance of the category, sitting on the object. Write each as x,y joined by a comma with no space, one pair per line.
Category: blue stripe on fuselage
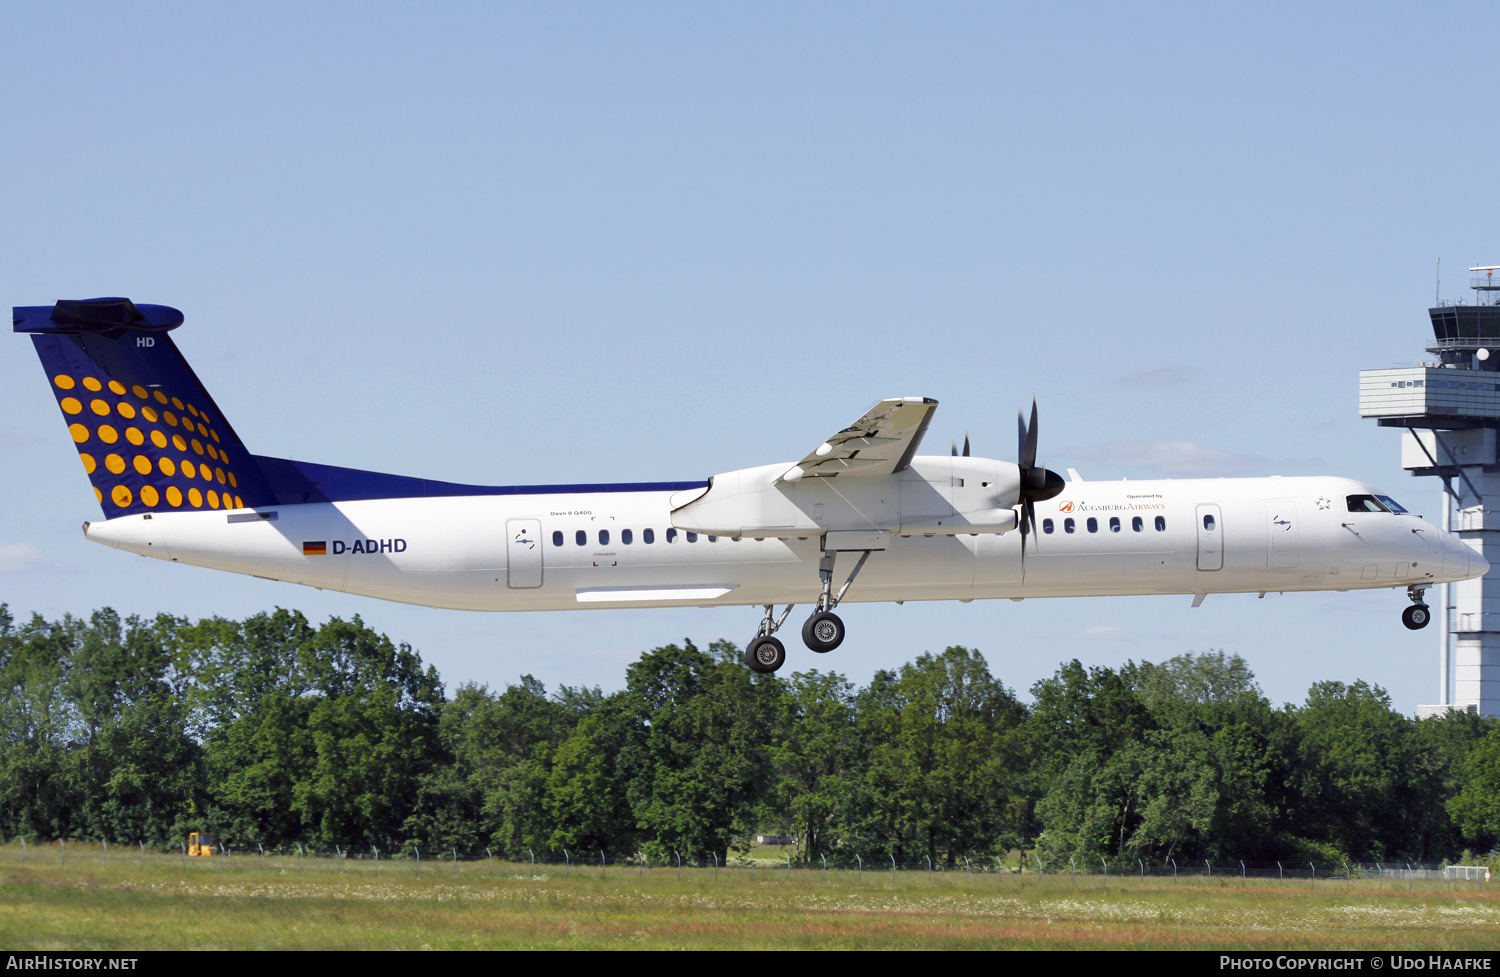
294,482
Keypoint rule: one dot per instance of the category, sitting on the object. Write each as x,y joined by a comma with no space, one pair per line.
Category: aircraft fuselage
613,549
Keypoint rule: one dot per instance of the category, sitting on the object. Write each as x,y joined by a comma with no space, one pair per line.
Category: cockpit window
1391,504
1365,503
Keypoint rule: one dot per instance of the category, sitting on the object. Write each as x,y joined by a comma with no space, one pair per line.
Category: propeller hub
1041,484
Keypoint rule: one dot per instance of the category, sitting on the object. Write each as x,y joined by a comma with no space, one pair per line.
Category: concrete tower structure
1450,412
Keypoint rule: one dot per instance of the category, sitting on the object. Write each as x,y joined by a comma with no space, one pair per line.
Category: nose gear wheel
1417,616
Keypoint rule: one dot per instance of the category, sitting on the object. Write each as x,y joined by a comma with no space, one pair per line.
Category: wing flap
881,442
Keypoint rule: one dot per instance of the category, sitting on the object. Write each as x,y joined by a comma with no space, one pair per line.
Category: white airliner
862,517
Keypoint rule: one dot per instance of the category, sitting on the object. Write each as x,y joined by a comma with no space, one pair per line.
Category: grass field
165,902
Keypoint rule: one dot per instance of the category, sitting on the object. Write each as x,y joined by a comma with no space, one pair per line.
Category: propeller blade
1037,484
955,449
966,444
1028,455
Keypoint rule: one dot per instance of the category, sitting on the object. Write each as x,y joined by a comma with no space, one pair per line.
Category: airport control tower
1450,409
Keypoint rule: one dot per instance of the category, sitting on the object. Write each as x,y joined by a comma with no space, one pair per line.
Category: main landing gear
765,653
1418,614
823,632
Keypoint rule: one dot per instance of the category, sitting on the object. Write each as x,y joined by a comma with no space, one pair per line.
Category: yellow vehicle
200,843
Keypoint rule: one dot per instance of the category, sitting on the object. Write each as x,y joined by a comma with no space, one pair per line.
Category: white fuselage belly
482,552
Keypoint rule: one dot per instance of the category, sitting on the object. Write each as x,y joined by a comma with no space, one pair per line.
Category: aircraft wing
881,442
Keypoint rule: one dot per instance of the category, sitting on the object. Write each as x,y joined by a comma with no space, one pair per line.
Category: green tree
37,723
493,788
332,750
1440,747
1208,679
587,790
1085,736
236,665
1476,807
255,765
696,763
812,753
940,760
1353,771
142,776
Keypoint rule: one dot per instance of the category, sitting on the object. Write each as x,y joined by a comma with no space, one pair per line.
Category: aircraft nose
1478,565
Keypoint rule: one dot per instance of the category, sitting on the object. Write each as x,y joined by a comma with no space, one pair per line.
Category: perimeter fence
417,860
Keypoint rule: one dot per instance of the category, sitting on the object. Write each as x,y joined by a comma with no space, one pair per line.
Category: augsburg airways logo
1068,505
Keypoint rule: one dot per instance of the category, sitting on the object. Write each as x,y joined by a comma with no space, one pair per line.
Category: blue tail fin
153,440
149,435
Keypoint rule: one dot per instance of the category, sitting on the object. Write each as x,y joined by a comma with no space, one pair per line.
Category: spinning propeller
1037,484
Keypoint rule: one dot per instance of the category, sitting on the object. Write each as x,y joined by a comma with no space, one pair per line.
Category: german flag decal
318,548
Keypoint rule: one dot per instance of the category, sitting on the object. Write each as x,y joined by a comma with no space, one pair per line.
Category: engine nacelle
936,494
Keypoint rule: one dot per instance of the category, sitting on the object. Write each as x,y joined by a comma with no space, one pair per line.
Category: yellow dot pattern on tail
170,462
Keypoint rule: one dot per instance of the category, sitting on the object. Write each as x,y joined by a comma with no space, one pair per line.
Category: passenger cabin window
692,537
671,535
557,537
1047,526
1093,524
582,538
648,535
1137,524
1365,503
1208,521
1161,524
1068,525
1114,524
627,537
604,537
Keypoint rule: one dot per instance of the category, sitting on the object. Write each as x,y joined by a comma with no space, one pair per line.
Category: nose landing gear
1418,614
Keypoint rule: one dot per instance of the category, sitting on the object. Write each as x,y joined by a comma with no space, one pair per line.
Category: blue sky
565,242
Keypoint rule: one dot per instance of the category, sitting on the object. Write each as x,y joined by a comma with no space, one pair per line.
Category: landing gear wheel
765,655
1416,616
823,631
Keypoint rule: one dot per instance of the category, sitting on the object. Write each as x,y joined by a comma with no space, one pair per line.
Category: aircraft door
1210,538
523,552
1281,532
